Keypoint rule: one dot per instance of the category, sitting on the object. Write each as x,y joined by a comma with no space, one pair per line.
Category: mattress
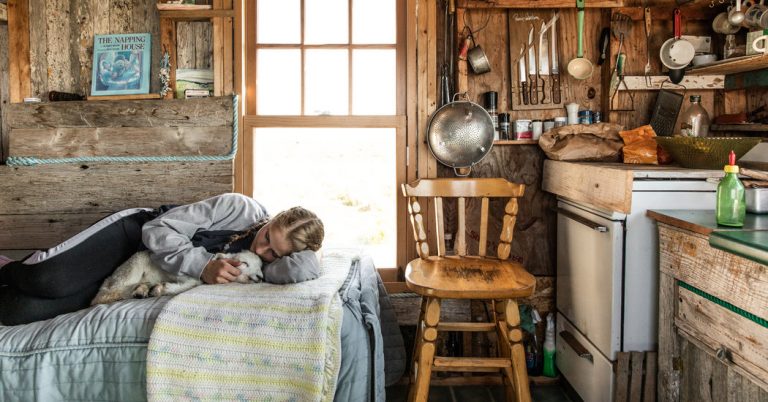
100,353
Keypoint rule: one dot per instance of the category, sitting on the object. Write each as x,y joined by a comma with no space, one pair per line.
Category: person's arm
293,268
168,236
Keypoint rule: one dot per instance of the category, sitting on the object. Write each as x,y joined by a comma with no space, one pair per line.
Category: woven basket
706,152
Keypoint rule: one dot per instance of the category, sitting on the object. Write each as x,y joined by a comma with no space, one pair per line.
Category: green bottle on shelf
731,204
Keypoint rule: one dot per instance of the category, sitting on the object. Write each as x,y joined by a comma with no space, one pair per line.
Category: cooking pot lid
460,134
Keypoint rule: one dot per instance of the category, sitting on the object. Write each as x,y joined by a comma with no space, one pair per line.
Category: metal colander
460,135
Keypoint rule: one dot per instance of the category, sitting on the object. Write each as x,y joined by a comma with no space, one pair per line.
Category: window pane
278,86
373,82
374,21
326,22
278,21
345,175
327,82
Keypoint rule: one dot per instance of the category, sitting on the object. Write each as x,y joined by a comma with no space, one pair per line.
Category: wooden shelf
516,142
536,4
739,127
123,97
196,15
731,66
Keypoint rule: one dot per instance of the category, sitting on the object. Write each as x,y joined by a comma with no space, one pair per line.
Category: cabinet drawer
581,363
733,337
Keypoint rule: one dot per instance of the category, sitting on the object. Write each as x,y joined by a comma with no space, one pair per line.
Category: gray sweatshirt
169,236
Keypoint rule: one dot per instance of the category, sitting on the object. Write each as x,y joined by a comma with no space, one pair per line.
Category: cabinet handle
577,347
584,221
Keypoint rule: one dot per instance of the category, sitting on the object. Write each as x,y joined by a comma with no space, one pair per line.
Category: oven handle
577,347
584,221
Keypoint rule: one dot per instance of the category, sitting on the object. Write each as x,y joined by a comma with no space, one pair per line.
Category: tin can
548,125
597,117
585,117
523,130
561,121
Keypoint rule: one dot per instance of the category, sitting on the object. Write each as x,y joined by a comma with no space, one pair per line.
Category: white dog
139,277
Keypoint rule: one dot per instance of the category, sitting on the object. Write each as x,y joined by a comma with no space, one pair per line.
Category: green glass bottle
731,204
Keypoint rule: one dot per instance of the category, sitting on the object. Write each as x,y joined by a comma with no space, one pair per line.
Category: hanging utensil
620,62
522,77
533,82
460,134
602,46
580,68
554,69
542,62
676,53
647,69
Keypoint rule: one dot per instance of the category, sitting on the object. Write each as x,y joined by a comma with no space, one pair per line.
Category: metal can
523,130
597,117
585,117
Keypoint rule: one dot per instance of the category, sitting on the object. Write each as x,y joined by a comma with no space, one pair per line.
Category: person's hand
220,271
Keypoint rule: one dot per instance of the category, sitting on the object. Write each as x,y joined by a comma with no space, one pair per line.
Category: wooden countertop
749,241
608,186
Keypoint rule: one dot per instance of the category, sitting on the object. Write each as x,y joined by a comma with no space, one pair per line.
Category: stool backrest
434,190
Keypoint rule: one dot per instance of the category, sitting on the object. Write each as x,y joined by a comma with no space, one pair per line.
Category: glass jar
695,120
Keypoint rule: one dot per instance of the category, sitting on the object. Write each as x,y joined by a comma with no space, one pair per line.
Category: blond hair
301,227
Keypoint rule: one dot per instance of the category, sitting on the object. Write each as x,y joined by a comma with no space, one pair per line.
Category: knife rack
520,23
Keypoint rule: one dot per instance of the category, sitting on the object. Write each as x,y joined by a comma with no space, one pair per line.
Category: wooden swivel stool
463,276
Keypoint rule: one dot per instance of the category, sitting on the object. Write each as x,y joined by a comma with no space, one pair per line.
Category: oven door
589,275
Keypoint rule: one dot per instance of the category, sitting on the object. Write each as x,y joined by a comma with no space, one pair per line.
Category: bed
101,353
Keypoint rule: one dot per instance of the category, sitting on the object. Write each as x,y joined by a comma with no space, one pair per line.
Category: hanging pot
460,134
676,53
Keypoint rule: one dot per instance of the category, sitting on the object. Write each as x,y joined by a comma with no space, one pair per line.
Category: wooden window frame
398,121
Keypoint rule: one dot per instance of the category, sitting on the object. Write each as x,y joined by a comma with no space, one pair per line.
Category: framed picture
121,64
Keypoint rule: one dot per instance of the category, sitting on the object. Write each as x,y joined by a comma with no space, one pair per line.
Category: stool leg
417,341
507,311
422,364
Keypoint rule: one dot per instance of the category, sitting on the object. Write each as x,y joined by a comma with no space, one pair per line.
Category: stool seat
468,277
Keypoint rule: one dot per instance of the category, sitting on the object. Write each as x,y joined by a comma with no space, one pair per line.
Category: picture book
121,64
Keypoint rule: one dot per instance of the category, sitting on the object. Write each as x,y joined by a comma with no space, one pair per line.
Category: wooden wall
61,44
45,204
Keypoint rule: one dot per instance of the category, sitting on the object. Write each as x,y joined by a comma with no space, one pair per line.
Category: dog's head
250,266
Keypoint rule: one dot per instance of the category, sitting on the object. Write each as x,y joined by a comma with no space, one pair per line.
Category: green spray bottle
549,348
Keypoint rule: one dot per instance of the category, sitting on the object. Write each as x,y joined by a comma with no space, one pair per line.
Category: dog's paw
141,291
106,298
157,290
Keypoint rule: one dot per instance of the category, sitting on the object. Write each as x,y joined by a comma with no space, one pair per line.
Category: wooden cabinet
221,15
713,343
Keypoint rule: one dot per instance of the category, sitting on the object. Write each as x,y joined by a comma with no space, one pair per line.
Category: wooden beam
198,15
637,82
536,4
18,50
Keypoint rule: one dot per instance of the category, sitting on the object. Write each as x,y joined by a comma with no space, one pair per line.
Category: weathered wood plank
602,187
124,141
746,341
649,383
58,37
205,112
38,32
33,231
622,378
689,257
83,45
4,95
54,189
636,382
669,371
18,49
120,16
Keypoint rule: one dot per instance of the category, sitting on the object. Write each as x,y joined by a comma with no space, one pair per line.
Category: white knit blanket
258,342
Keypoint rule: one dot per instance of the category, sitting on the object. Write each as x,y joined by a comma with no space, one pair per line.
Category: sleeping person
182,240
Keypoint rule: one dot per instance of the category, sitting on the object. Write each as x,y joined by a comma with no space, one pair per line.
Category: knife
542,61
522,77
554,69
532,68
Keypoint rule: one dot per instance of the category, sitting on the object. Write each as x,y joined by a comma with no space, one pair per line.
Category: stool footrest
472,364
466,326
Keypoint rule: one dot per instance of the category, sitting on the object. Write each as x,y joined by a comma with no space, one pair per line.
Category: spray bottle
549,348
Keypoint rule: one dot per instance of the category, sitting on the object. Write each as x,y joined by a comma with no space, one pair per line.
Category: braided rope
746,314
32,161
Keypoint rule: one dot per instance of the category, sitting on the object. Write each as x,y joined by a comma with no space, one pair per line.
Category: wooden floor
477,393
